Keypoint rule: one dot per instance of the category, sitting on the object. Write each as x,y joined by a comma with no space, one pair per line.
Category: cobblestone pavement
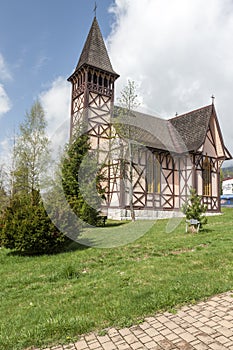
206,325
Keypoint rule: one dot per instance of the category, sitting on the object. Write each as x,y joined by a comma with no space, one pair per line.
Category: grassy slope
52,299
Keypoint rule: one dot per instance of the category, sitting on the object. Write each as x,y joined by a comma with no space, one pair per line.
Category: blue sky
178,52
39,41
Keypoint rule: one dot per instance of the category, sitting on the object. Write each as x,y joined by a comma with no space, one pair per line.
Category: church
148,163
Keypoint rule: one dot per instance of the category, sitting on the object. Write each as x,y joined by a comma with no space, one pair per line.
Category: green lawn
53,299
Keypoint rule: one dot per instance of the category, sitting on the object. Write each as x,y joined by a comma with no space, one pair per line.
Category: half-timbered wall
165,192
210,195
185,178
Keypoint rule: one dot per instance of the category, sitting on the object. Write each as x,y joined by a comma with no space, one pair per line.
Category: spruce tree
194,209
81,180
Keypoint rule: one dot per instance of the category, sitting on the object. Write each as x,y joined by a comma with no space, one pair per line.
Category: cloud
56,104
4,71
180,52
5,103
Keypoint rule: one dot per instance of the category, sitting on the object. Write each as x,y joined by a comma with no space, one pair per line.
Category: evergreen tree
28,229
194,209
81,180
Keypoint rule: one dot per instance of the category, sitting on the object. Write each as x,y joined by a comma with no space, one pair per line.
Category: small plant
194,209
102,332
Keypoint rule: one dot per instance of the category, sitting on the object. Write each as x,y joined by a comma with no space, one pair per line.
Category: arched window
206,175
153,173
105,82
89,77
95,79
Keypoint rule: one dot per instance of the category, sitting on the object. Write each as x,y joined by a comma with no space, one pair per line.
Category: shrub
194,209
27,228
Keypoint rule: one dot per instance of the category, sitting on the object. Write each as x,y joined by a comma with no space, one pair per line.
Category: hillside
227,172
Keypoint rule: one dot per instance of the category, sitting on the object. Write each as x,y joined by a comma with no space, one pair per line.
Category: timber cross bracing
169,156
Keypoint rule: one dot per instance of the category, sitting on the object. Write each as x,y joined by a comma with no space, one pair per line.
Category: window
206,177
153,173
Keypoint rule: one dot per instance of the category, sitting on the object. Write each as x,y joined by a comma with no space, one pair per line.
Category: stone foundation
143,214
124,214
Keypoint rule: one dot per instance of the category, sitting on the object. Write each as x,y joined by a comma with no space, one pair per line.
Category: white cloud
4,71
5,103
56,103
180,51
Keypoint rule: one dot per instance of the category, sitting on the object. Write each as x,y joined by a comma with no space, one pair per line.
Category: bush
27,228
194,209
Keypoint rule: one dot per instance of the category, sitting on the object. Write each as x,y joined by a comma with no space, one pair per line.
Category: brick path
206,325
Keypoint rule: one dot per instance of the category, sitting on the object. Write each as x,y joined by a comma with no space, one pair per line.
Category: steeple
93,79
94,53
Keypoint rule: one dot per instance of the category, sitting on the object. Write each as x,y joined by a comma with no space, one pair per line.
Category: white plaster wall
227,186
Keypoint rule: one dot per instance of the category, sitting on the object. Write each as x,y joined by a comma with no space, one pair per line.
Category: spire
95,8
94,52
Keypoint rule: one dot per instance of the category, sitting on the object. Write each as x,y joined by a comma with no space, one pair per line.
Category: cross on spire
95,8
213,97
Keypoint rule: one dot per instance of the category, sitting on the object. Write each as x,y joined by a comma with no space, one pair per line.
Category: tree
194,209
129,101
81,179
31,151
26,226
28,229
4,198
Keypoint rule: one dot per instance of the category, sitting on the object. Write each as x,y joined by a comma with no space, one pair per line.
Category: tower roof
94,52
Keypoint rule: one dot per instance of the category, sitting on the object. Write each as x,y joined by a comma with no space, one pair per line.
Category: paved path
206,325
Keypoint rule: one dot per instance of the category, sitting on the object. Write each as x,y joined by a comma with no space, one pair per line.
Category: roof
94,52
192,127
227,178
181,134
148,130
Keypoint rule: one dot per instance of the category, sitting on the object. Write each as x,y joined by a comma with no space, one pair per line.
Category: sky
178,52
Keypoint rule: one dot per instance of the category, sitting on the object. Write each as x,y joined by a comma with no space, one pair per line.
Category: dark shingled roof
192,127
180,134
94,52
145,129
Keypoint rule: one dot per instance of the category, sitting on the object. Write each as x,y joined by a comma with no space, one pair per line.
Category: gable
213,144
192,127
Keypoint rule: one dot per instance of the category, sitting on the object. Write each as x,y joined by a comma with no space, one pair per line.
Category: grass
53,299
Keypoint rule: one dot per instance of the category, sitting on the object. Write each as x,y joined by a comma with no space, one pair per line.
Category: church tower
93,87
92,102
